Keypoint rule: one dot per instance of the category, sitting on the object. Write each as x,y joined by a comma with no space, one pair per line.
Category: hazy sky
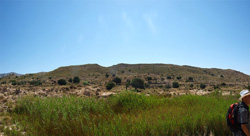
42,35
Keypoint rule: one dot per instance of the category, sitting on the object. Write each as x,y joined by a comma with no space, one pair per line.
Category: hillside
155,74
7,74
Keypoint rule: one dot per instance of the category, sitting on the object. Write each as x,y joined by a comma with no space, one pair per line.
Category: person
243,114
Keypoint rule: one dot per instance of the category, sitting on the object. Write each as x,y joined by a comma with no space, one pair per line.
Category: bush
168,77
76,79
13,82
179,78
176,85
168,86
146,85
110,85
107,75
216,87
202,86
70,80
35,82
117,80
85,83
138,83
4,82
190,79
191,85
248,87
21,83
61,82
223,84
128,83
149,78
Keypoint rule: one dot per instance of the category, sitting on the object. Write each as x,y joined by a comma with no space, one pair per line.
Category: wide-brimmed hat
243,94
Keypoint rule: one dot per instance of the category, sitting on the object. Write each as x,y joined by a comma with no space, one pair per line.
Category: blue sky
42,35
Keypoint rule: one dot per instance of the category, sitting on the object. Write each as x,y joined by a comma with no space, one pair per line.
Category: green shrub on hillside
106,75
70,80
149,78
179,78
76,79
223,84
168,86
85,83
202,86
35,82
128,83
169,77
62,82
176,85
191,85
216,87
110,85
138,83
117,80
248,87
190,79
13,82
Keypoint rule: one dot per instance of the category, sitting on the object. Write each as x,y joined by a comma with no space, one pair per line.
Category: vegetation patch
127,113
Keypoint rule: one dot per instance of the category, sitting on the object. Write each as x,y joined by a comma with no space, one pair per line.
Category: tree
110,85
138,83
176,85
117,80
76,79
202,86
70,80
107,75
62,82
179,78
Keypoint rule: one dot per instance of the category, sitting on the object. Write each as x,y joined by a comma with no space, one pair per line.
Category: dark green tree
117,80
70,80
138,83
179,78
106,75
76,79
128,83
223,84
202,86
62,82
176,85
190,79
110,85
169,77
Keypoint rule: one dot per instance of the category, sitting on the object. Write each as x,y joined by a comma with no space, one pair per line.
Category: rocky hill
155,74
7,74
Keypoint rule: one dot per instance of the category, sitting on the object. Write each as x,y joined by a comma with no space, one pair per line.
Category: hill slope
160,73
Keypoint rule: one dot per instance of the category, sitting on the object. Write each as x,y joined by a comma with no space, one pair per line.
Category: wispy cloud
148,17
127,21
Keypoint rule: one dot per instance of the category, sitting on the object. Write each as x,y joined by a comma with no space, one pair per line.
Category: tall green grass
125,114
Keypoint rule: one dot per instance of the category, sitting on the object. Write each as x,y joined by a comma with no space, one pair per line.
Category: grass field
125,114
